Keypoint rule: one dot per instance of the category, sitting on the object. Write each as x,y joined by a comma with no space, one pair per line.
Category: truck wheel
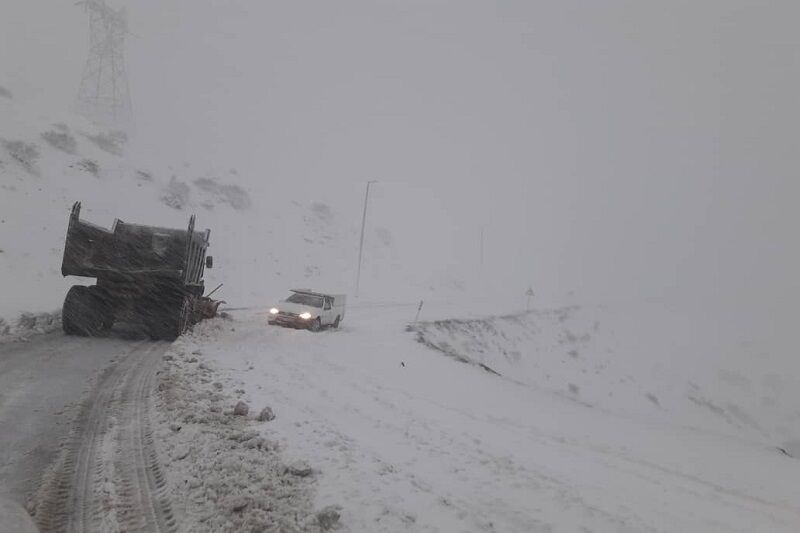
171,323
70,312
316,325
104,306
82,313
336,322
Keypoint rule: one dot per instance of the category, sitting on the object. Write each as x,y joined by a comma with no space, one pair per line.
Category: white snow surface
223,476
653,363
13,517
405,438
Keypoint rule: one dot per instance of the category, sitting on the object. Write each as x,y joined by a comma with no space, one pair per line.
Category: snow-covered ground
528,144
675,364
223,475
401,437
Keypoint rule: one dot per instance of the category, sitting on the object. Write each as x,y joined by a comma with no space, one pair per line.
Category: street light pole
361,244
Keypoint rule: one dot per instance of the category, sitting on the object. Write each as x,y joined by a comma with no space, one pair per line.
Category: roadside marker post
419,309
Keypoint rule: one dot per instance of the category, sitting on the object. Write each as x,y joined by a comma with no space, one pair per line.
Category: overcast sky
609,147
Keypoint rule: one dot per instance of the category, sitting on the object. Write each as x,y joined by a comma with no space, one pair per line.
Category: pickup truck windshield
305,299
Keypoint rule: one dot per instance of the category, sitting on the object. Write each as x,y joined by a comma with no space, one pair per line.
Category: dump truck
145,274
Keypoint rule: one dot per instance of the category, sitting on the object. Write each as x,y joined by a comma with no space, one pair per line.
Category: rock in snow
237,505
266,415
791,448
181,452
299,469
328,518
241,409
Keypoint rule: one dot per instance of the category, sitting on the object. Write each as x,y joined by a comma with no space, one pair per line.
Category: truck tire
82,313
171,322
336,322
316,325
70,311
105,306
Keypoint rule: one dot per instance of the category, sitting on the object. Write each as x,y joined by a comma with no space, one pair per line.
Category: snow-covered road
387,432
40,381
405,439
61,400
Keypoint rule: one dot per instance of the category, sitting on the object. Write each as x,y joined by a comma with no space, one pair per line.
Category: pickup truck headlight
273,311
305,316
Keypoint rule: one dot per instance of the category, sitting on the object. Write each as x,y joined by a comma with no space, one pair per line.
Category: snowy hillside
263,242
649,360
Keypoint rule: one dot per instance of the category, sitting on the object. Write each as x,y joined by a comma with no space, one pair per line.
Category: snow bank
225,475
29,324
649,360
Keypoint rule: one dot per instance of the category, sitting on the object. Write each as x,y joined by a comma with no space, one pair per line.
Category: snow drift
650,361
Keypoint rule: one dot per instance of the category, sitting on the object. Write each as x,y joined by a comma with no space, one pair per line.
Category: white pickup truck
309,310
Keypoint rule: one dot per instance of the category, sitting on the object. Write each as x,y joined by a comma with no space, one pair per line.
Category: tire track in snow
107,476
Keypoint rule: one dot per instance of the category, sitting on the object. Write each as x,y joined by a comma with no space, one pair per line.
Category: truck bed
131,250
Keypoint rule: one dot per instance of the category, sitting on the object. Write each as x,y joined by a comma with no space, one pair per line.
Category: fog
633,163
612,150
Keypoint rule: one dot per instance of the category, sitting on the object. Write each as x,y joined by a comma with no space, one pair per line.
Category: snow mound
223,473
28,325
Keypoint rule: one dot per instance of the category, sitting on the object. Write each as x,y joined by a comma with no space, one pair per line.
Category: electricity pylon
104,95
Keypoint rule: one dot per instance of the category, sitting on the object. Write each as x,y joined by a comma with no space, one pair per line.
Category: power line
104,94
